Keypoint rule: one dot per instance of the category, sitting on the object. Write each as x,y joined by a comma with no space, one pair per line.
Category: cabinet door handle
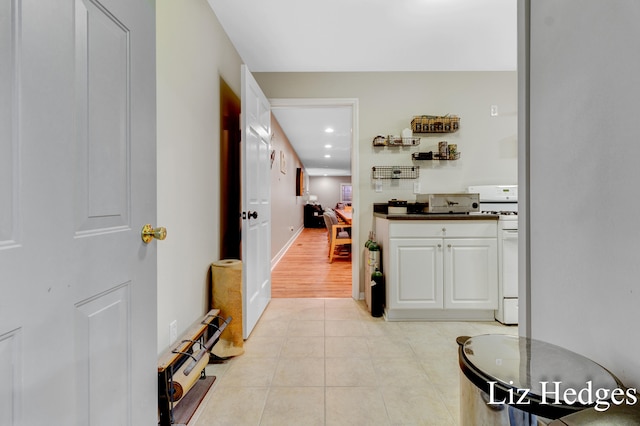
439,245
444,229
449,245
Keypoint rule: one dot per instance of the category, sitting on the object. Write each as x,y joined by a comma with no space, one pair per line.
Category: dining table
345,215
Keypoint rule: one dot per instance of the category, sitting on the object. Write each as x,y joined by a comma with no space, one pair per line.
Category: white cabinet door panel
415,277
471,273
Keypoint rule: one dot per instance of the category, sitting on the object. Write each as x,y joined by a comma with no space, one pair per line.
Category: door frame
339,102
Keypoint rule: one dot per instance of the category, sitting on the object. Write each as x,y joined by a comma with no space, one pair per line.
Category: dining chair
337,233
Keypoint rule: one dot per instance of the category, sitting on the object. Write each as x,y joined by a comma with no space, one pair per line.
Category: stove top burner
501,212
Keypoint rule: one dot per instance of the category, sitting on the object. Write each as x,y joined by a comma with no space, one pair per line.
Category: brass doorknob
149,233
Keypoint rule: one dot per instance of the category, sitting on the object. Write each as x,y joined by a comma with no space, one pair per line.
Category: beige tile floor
328,362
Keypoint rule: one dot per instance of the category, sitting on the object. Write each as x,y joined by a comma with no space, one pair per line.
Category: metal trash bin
618,415
507,380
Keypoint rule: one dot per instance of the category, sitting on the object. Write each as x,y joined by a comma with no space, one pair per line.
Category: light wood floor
305,271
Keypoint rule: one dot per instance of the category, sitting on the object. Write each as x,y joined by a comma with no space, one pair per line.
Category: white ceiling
366,35
306,129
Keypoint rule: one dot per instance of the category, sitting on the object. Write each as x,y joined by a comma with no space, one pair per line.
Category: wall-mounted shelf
435,124
434,156
395,172
395,141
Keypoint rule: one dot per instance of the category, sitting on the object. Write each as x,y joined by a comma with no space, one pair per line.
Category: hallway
304,271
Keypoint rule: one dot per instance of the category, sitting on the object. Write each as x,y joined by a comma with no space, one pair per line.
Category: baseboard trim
284,249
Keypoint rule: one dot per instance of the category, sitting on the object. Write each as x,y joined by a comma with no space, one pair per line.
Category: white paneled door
77,183
256,202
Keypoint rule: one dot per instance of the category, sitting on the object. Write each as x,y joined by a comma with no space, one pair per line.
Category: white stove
503,200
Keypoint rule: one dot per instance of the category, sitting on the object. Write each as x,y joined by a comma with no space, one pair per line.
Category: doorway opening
230,171
230,197
352,107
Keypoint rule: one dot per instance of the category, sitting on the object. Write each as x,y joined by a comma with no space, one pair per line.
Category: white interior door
256,202
77,183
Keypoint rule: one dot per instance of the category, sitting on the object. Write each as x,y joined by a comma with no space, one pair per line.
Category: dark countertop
437,216
380,210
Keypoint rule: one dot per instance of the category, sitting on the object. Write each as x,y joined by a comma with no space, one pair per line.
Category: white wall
193,52
388,101
327,189
287,216
583,237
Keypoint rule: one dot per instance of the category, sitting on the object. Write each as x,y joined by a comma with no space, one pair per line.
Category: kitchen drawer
444,228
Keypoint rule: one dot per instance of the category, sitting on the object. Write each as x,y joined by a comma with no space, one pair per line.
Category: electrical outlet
291,228
173,331
494,110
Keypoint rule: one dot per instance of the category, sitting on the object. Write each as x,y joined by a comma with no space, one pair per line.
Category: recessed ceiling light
327,156
328,130
327,146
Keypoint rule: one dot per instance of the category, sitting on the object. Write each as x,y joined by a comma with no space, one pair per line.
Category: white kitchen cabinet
470,273
439,269
414,274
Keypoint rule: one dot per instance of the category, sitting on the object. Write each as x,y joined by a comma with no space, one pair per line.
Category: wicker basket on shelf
435,124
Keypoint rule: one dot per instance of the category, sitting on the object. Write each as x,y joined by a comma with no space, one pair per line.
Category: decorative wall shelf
435,124
395,141
395,172
434,156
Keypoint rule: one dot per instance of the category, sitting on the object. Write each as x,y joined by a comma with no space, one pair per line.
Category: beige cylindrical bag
226,280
